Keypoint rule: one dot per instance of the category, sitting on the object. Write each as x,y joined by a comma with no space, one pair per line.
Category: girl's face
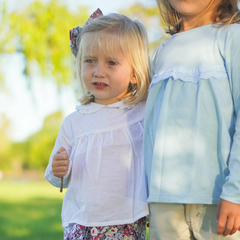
106,78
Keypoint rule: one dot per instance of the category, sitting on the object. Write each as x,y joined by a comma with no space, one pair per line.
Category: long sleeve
192,120
106,182
231,189
63,140
154,58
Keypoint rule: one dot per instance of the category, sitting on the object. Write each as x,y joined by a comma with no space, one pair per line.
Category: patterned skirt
133,231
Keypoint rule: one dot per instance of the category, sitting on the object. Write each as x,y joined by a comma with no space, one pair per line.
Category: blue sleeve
64,139
231,188
155,57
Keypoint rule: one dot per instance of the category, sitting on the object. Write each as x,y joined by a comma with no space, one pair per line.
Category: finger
229,226
233,231
61,168
61,156
60,171
218,211
221,223
60,163
61,150
236,226
60,175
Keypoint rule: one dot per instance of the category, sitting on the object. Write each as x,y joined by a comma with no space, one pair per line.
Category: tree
42,142
5,146
150,18
40,32
34,153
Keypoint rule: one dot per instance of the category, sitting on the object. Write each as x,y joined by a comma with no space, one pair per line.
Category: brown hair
227,12
131,36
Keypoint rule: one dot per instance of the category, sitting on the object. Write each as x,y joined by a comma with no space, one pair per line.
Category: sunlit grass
30,211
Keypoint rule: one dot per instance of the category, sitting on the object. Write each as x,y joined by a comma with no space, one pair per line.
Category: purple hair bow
73,33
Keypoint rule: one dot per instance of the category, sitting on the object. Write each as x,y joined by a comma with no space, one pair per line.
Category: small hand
60,163
228,218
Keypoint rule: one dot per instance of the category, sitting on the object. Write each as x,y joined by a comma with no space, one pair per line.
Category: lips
100,85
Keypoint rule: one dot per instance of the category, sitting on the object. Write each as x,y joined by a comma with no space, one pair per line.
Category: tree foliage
5,146
150,18
34,153
41,32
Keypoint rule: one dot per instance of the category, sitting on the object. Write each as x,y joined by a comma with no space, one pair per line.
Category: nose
99,70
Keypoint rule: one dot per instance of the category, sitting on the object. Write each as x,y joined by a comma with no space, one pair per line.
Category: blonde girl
192,123
99,149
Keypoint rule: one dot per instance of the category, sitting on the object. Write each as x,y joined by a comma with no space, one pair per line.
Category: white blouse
106,181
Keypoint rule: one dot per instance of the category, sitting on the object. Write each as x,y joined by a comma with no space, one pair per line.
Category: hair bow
73,33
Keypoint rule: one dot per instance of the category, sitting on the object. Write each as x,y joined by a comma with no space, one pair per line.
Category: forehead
109,44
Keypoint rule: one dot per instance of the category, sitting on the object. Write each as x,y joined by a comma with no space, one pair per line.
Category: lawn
30,211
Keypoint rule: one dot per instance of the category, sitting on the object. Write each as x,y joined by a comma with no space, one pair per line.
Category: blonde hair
132,38
226,13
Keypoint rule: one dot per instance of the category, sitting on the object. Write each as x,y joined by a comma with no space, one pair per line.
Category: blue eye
112,63
89,60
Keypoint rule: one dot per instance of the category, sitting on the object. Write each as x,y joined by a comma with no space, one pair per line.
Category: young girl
106,195
192,123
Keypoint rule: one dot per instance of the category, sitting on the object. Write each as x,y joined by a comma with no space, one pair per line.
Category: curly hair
227,12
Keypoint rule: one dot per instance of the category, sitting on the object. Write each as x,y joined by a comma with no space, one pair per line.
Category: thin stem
61,188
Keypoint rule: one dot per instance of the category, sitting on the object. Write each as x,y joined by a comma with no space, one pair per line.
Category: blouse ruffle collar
94,107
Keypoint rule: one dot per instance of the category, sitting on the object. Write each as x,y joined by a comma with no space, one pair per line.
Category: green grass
30,211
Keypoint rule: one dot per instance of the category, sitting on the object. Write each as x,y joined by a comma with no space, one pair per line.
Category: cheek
122,84
190,7
86,72
175,5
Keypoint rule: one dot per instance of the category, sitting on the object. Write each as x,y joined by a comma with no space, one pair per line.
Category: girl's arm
229,206
64,141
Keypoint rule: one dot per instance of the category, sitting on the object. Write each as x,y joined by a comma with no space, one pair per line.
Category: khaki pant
170,221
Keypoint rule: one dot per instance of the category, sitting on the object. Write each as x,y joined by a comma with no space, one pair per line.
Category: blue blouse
192,120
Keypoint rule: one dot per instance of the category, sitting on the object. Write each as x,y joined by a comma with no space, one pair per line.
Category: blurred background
38,88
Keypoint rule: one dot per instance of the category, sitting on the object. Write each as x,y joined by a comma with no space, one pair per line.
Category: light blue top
192,121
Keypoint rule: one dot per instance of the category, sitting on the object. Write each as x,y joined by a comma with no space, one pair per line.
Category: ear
133,79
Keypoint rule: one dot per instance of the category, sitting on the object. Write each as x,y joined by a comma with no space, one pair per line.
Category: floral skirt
133,231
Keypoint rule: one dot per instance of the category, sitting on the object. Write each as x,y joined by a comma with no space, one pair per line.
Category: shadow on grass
35,219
